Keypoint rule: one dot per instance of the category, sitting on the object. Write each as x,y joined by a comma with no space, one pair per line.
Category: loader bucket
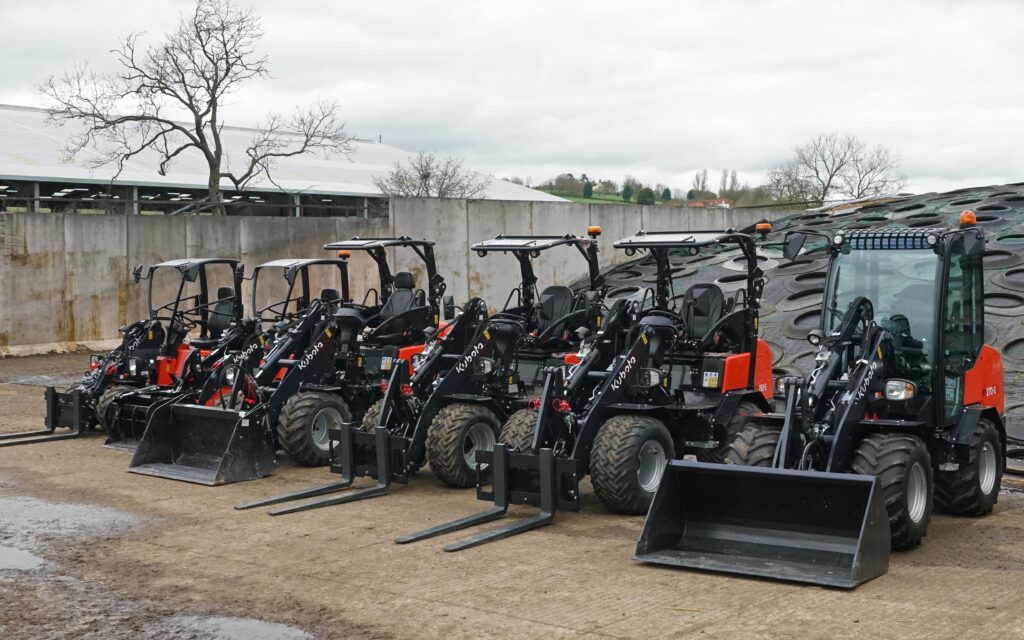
205,445
805,526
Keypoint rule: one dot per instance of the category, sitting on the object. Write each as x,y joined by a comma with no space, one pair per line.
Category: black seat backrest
222,313
350,324
402,298
703,305
329,295
555,302
664,329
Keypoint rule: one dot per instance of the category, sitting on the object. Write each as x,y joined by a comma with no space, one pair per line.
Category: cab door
961,324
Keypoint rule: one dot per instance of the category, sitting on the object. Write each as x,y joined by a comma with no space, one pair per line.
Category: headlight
230,375
133,367
648,377
483,366
899,390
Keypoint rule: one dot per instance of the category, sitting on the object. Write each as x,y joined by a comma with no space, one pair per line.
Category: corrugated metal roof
32,150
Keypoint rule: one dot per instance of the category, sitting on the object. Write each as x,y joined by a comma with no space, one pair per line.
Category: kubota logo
312,353
620,377
244,355
469,357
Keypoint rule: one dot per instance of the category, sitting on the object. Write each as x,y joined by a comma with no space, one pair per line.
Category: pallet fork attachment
63,411
546,498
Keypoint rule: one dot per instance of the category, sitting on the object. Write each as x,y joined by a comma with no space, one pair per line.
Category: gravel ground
170,559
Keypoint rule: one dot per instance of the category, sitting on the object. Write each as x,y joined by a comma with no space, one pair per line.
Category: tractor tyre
517,432
371,419
453,439
974,489
303,429
106,399
743,416
904,470
754,446
627,462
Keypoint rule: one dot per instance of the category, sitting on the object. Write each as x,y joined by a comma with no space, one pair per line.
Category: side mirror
794,243
137,273
448,302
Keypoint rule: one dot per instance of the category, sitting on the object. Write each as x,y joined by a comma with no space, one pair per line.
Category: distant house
606,187
711,203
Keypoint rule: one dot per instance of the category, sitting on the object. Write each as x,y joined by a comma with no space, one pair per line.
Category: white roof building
31,151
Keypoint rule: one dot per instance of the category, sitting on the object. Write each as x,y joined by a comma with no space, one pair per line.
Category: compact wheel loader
152,350
325,371
667,375
452,407
902,411
206,377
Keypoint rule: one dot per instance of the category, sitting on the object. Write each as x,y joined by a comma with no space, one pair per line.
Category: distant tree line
828,167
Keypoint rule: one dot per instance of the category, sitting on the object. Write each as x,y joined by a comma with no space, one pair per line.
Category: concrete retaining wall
65,279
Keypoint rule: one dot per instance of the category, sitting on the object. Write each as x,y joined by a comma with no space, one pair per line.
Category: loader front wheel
517,432
456,434
628,459
745,413
974,488
306,419
106,399
371,419
754,446
904,471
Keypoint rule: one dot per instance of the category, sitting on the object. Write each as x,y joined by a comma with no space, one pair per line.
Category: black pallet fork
63,411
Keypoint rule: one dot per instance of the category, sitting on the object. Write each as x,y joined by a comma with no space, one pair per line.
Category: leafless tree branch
426,176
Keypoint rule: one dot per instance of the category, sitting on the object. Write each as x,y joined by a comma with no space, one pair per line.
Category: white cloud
653,89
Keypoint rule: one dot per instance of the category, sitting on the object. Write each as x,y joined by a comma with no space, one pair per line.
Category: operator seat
220,316
703,306
402,298
555,303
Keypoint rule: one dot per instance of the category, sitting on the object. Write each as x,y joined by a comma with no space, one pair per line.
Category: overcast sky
656,90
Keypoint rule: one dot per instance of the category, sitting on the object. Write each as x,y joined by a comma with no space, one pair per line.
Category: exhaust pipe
830,529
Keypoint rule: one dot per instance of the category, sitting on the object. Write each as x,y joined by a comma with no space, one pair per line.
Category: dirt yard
90,551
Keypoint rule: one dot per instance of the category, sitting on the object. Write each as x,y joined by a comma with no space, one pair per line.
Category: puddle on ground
12,559
28,521
61,382
228,628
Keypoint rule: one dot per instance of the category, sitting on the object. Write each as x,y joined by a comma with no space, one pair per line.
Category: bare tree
426,176
873,172
700,181
169,97
831,166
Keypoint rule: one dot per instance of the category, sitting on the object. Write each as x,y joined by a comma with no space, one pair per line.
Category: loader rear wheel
517,432
103,404
974,489
371,419
745,412
302,430
904,471
628,459
754,446
453,439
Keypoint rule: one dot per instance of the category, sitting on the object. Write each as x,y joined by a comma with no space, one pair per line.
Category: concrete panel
262,240
444,222
563,265
670,219
494,276
212,237
96,283
32,292
151,239
362,270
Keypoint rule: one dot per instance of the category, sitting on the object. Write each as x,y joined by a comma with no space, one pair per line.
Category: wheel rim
479,436
325,419
987,468
650,465
917,492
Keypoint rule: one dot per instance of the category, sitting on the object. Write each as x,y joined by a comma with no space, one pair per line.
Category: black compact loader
206,376
456,408
327,368
666,375
903,410
160,339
